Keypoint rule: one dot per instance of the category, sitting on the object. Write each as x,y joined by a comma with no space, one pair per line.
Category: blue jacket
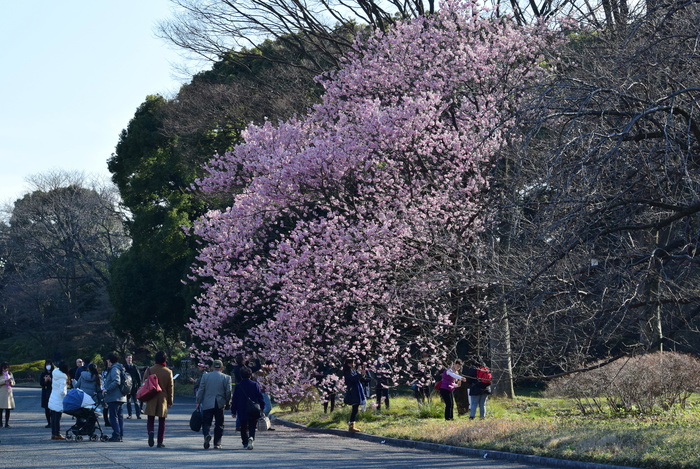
241,392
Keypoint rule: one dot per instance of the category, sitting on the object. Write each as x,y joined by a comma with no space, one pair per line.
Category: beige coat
158,406
7,400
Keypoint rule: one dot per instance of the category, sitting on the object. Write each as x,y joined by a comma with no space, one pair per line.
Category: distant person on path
214,396
355,394
113,397
450,380
245,390
59,389
159,405
7,398
479,390
45,382
133,370
90,383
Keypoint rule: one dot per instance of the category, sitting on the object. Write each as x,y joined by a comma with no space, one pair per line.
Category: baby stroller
87,419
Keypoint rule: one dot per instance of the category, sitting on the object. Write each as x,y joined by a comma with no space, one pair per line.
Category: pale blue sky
72,75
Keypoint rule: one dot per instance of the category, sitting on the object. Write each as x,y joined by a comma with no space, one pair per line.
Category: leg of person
47,412
207,417
446,398
128,406
386,396
218,427
252,426
114,409
161,432
150,428
56,426
1,417
378,392
325,407
137,407
120,420
332,399
353,416
473,404
7,418
482,405
244,432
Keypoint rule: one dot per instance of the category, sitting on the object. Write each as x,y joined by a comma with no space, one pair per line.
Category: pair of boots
352,428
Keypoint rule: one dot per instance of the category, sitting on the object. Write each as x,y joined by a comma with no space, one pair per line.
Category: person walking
158,406
246,390
479,390
45,383
113,397
450,380
7,398
59,389
355,394
213,397
133,370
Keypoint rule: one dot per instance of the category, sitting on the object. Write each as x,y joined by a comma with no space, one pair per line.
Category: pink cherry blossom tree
352,229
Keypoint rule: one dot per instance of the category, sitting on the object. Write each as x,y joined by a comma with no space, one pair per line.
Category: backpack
126,385
483,375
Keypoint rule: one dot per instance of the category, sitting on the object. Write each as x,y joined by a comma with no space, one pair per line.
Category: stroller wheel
93,437
78,438
104,438
69,436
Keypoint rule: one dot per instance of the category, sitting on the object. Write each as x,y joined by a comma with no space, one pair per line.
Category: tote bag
148,389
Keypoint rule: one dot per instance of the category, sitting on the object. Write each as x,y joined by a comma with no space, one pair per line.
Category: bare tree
595,249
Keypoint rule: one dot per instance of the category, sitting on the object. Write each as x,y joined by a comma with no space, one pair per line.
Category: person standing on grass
384,374
59,389
243,392
158,406
213,396
355,393
479,390
450,380
7,398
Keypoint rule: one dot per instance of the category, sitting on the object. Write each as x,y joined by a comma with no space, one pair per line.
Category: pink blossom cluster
346,225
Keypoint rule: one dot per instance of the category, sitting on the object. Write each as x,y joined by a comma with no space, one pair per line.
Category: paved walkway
27,444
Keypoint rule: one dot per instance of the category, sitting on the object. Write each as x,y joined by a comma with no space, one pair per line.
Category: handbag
196,420
148,389
437,385
264,423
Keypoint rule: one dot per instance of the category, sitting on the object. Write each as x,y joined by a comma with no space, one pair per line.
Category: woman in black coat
45,383
355,395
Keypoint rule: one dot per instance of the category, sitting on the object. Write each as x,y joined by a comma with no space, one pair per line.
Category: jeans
137,407
477,401
381,391
217,415
116,418
449,403
353,414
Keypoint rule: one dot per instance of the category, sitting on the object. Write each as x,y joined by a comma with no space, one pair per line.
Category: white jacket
59,389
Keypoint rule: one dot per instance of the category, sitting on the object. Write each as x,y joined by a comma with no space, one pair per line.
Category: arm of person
454,375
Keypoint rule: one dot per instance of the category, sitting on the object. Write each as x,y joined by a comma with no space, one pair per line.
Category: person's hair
49,362
246,372
113,358
459,362
348,364
92,368
239,359
4,365
160,357
62,367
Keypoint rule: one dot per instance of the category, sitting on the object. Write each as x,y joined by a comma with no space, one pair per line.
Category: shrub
642,384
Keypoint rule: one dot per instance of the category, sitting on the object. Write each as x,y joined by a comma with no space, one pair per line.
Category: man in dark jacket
243,392
136,384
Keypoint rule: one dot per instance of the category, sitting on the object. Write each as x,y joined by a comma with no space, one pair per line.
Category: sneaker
150,439
207,439
115,438
250,443
48,425
161,445
217,446
128,417
138,417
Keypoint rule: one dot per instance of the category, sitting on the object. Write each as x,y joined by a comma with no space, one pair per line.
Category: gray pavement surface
27,444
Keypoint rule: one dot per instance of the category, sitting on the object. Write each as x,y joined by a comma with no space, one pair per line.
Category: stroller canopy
76,399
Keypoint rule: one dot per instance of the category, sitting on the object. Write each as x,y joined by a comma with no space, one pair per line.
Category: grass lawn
538,426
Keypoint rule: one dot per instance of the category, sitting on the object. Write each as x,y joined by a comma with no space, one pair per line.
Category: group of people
105,390
477,378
